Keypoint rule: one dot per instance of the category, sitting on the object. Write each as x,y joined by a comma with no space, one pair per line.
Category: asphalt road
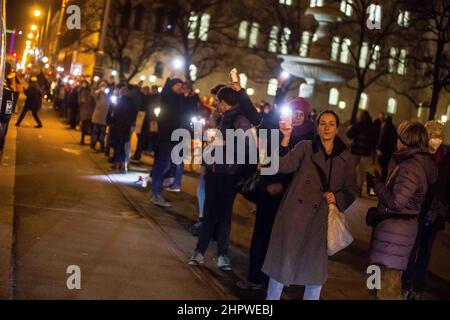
70,212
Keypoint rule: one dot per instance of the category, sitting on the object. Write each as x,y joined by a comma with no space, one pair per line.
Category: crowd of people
317,169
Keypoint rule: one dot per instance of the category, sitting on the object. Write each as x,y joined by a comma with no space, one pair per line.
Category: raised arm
292,160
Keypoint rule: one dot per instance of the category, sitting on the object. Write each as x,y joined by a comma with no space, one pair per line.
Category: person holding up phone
271,189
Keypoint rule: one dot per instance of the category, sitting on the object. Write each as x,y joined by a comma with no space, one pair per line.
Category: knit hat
174,81
300,104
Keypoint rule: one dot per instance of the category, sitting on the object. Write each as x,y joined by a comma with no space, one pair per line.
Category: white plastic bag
339,236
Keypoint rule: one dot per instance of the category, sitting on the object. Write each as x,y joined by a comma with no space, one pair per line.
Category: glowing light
285,75
250,91
113,99
114,73
47,66
37,13
96,78
197,91
444,118
44,60
107,90
194,119
160,89
342,105
142,78
33,27
178,63
71,81
203,121
286,111
157,111
66,80
152,78
30,36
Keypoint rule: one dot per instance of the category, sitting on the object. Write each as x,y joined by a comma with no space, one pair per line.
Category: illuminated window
285,40
403,19
244,80
376,53
305,42
204,26
401,69
192,26
316,3
243,30
193,72
346,7
363,101
335,46
392,106
345,51
286,2
253,39
375,13
393,53
272,87
448,111
273,40
334,97
363,56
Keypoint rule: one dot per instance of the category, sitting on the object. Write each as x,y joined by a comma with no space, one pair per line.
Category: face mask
435,143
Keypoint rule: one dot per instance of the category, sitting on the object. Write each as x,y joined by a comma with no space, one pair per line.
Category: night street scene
231,151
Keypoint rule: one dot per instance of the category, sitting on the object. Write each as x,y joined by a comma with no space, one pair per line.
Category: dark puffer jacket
364,138
404,194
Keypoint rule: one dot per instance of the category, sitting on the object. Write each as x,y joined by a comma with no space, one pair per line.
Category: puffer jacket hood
422,156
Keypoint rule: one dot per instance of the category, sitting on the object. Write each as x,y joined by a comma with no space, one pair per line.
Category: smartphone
286,117
234,75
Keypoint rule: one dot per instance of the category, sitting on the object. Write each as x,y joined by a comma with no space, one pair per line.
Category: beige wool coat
297,251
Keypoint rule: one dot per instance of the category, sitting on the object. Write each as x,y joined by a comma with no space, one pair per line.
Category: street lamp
33,27
30,36
37,13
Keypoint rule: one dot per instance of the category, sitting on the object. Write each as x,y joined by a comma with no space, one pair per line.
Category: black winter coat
33,100
364,138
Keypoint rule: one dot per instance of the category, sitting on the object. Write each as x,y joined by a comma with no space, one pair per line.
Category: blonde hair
434,127
413,134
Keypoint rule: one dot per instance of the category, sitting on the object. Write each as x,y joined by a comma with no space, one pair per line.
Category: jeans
3,132
179,170
119,154
160,166
34,112
85,129
98,135
312,292
201,193
220,194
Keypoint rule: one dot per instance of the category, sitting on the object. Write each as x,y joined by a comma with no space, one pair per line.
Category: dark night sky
19,15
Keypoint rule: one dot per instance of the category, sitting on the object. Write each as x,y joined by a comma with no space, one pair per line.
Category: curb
7,184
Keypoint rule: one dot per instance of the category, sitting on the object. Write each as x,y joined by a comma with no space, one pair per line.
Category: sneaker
173,189
160,202
168,182
224,263
196,259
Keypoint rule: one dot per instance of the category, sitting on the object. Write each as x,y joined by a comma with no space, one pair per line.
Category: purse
248,186
373,217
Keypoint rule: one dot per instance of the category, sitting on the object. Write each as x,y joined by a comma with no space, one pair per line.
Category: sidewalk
7,180
68,212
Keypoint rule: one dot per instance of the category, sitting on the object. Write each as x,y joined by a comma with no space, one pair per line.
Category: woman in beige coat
323,175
